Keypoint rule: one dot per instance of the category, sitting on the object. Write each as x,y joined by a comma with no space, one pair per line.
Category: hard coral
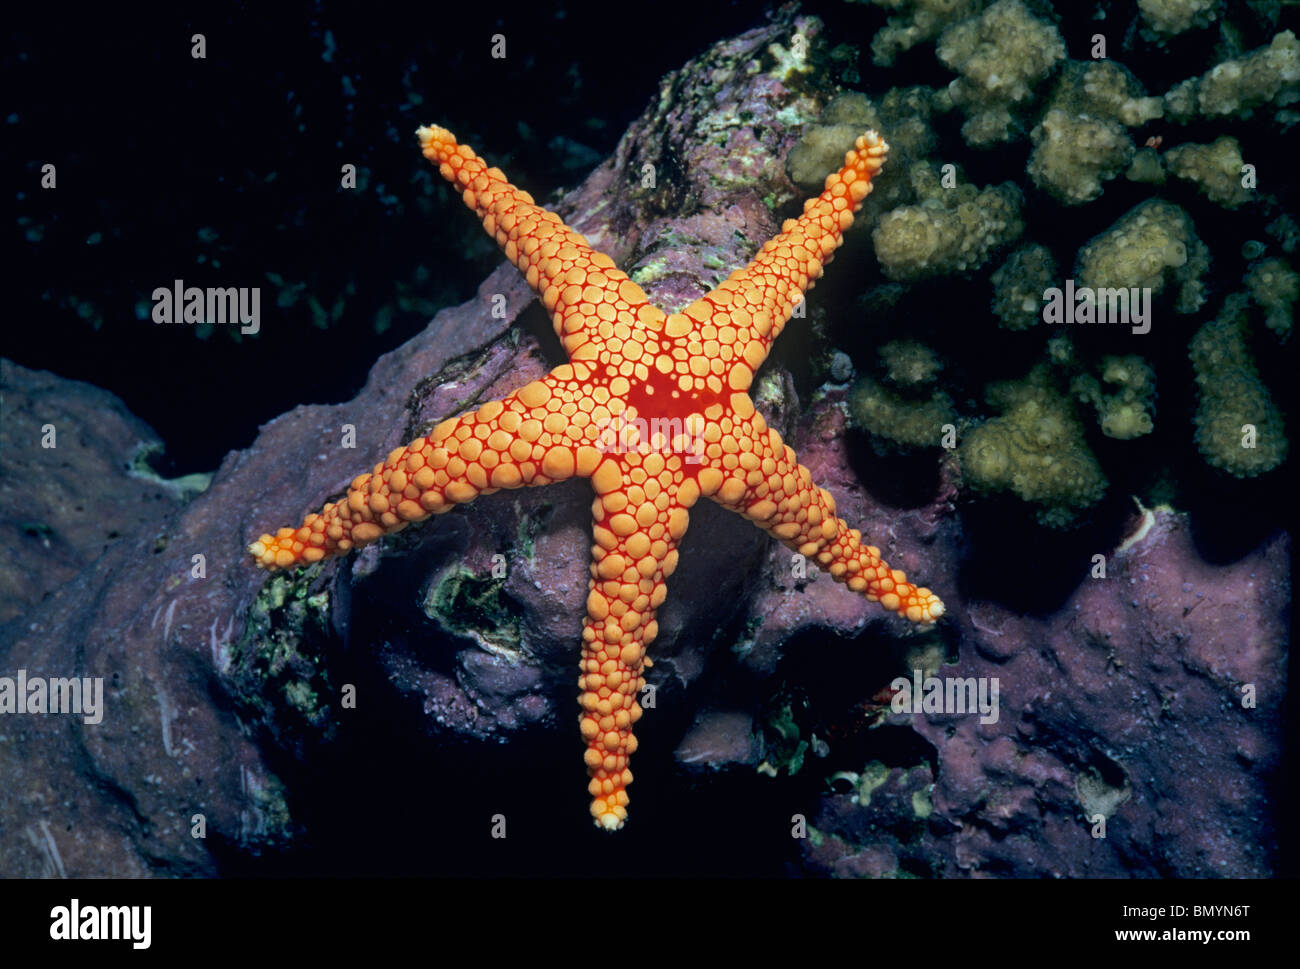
1238,427
1215,168
1238,86
903,119
1275,287
1124,411
924,20
1018,286
1153,244
1107,90
1175,16
908,363
1036,450
950,230
905,421
1073,155
1000,56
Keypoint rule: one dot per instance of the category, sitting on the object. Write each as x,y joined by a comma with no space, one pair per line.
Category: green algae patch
278,671
786,748
473,605
922,806
875,775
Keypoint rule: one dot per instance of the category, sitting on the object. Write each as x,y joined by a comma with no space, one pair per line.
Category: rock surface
1153,698
73,483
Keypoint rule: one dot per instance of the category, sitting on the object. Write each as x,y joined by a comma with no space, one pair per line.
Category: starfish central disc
654,409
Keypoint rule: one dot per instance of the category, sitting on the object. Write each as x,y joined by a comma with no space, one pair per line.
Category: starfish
653,409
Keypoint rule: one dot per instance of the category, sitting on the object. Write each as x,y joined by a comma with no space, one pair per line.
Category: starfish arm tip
609,822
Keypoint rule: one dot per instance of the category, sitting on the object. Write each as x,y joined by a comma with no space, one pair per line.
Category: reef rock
1119,706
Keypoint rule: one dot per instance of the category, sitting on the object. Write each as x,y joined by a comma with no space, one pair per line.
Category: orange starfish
652,407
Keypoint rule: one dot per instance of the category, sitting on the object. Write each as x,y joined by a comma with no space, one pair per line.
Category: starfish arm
772,489
582,289
637,527
521,440
758,300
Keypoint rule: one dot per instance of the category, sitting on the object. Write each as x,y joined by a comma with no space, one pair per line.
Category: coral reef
1216,168
47,538
1125,412
1104,90
1151,246
1000,55
1238,86
169,638
1081,140
1147,166
908,363
1036,450
1122,692
1275,287
837,128
1176,16
908,422
1129,703
903,119
1074,154
948,230
923,20
1238,427
1018,286
904,410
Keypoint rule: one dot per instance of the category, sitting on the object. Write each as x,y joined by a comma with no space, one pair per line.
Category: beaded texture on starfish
653,408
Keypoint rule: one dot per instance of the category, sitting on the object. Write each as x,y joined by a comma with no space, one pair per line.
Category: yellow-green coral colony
1085,125
905,410
1275,286
1238,427
1153,245
1036,449
1123,397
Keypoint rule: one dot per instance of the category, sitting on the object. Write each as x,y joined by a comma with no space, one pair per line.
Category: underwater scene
828,440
